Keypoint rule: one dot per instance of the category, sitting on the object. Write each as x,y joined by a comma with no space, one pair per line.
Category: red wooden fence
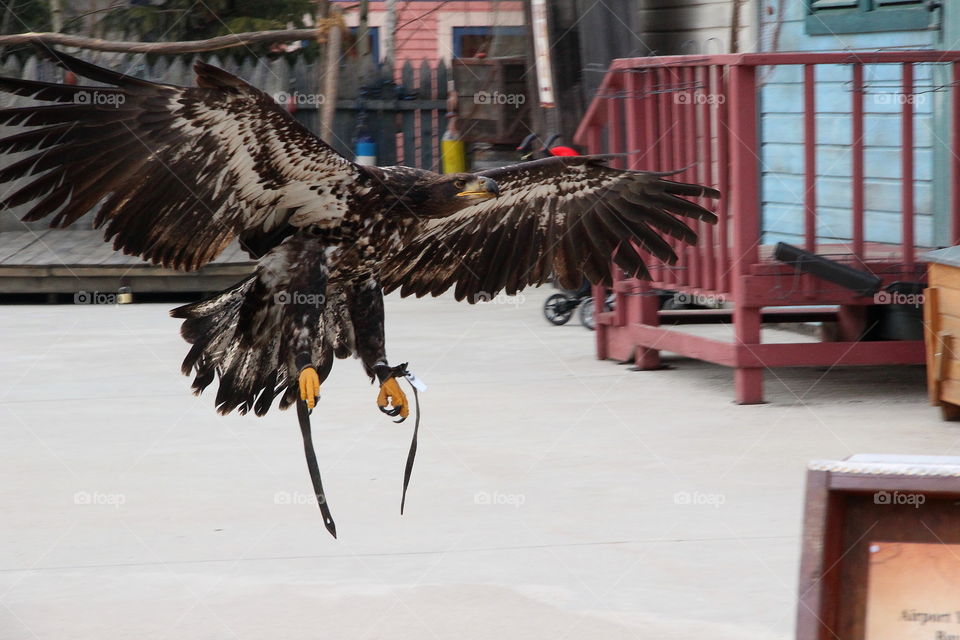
702,113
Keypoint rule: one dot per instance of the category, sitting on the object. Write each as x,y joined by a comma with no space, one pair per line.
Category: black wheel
587,312
558,309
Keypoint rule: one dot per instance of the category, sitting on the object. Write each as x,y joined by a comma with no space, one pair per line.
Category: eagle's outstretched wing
562,215
186,169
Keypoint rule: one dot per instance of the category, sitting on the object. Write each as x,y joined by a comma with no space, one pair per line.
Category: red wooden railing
701,114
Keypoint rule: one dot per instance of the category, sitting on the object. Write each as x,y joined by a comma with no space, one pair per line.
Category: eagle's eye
460,184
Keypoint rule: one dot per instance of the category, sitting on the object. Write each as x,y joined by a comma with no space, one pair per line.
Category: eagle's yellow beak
482,188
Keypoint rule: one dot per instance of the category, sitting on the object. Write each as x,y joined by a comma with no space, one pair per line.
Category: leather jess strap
303,416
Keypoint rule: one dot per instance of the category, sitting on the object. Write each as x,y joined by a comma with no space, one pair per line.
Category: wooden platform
73,260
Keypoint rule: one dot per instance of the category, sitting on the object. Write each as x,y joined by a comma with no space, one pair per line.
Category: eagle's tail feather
250,372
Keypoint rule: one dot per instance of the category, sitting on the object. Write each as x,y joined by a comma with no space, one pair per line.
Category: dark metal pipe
861,282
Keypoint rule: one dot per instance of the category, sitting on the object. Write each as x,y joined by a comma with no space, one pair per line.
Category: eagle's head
444,195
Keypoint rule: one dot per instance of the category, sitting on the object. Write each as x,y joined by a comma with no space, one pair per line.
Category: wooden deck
73,260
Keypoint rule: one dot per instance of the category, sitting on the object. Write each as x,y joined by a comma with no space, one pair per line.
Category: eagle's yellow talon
390,393
309,386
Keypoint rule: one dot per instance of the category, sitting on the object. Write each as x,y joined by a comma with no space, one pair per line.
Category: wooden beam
210,44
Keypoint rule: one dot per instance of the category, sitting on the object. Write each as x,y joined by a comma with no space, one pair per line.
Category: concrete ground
554,496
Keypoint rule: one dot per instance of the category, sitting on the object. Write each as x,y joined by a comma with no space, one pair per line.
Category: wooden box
941,319
867,504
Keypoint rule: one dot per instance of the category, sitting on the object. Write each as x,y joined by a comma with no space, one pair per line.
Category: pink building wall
425,28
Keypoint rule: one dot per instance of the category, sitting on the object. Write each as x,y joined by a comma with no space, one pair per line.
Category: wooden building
835,127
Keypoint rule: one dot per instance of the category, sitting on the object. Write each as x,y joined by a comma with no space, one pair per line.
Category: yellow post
453,153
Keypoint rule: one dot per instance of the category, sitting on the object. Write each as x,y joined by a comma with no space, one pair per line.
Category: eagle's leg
366,314
309,386
307,300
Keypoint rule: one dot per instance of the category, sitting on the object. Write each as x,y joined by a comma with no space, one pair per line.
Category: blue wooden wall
782,136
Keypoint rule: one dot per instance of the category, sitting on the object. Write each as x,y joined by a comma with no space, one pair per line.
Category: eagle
181,172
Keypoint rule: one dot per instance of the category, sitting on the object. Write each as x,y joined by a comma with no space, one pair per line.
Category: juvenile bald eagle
180,172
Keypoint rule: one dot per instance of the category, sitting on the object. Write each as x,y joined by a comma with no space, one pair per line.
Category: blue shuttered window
825,17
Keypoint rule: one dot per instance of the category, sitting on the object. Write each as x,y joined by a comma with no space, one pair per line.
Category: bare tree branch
211,44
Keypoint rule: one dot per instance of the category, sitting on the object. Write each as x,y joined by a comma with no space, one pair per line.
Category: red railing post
809,157
705,174
744,206
906,163
637,305
724,265
692,254
857,173
614,132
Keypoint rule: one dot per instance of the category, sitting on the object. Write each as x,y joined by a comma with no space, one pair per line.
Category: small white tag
417,383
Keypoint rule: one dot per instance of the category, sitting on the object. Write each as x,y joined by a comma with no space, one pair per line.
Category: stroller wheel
558,309
588,312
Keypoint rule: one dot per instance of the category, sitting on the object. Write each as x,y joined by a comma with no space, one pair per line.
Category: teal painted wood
879,194
782,185
835,160
879,130
834,224
945,191
866,16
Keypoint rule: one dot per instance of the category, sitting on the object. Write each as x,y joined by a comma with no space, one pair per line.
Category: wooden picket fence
405,116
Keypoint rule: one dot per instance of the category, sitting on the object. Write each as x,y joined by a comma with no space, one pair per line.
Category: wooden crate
941,316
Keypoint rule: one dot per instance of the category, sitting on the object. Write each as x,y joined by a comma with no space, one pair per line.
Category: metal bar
857,142
809,158
906,164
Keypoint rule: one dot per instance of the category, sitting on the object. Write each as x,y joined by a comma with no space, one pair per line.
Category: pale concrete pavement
586,466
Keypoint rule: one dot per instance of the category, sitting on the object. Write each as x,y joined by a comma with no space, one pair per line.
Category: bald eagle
181,172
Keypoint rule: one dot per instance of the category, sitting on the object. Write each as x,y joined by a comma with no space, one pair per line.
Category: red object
563,151
674,111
